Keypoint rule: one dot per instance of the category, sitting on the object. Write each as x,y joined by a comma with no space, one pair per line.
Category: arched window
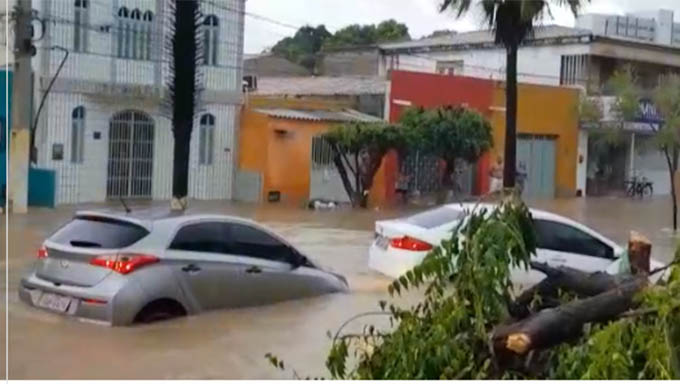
80,25
123,32
147,33
77,134
206,139
210,39
136,34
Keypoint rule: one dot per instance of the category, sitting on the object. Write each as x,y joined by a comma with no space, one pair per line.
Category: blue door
536,165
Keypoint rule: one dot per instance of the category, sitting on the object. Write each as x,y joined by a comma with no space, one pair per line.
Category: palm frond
458,6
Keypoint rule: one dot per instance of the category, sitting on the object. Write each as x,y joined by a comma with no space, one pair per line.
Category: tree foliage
467,287
645,345
467,293
303,46
452,134
366,35
308,42
358,150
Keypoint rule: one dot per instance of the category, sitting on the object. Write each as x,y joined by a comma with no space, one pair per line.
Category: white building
653,26
557,55
6,33
104,127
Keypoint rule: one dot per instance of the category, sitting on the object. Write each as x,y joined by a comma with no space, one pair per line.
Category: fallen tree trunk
583,284
607,298
553,326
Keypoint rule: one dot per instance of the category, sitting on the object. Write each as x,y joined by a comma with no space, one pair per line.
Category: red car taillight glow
123,263
410,244
42,252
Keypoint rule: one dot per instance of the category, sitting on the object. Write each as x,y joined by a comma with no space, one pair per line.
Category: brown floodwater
231,344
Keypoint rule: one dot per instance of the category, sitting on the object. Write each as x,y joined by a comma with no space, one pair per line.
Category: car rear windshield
435,217
99,232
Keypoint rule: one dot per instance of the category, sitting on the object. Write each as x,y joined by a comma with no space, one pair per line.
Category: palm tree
512,21
183,90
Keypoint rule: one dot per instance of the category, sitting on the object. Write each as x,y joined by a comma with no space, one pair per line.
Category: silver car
121,269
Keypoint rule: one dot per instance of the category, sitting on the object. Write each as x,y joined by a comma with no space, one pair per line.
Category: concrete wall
536,64
345,63
272,65
325,183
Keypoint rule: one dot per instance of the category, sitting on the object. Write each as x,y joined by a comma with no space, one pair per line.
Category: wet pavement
231,344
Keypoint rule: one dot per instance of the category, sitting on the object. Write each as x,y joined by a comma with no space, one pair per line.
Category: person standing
496,175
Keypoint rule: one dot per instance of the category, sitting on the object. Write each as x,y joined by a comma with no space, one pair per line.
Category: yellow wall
284,161
543,110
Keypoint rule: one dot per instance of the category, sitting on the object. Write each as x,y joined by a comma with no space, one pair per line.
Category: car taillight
410,244
123,263
42,252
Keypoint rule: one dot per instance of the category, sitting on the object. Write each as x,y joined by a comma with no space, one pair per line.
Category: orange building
280,151
547,127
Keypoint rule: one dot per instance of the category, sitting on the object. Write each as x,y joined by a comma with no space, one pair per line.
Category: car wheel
160,310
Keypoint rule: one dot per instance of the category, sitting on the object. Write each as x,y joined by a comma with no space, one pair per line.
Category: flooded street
231,344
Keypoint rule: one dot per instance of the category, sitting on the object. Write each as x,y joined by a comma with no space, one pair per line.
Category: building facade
105,126
283,157
547,125
652,26
560,56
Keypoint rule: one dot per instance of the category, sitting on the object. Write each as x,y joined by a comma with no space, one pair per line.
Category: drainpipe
632,154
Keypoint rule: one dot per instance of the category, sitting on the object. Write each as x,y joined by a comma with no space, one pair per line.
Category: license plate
53,302
382,242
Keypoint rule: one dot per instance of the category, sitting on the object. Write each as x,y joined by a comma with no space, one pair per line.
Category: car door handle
558,260
191,268
253,269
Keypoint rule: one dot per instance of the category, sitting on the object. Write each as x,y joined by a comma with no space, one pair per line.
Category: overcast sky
421,16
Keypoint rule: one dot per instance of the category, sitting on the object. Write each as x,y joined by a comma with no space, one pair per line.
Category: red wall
431,91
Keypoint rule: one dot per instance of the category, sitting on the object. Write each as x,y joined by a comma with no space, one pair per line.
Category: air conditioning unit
249,83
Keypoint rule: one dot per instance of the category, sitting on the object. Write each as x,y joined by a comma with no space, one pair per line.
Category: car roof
537,214
147,218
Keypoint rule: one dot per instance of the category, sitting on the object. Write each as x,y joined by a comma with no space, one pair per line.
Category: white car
401,244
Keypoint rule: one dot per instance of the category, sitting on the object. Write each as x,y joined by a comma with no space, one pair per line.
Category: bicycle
639,188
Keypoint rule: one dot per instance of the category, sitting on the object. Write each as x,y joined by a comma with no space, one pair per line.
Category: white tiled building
104,128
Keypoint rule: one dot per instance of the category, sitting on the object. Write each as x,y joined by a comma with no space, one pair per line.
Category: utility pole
19,143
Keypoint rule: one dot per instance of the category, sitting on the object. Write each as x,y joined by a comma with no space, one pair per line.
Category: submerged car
401,244
121,269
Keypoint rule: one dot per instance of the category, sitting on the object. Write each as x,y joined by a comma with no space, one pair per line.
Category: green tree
363,35
303,47
391,30
358,150
512,22
452,134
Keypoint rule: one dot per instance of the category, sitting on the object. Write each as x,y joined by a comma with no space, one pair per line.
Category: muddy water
232,343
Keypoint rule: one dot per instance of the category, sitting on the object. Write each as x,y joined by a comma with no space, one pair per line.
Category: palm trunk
182,89
510,118
672,162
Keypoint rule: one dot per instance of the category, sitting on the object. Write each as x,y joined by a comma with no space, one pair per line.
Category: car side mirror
609,253
297,259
